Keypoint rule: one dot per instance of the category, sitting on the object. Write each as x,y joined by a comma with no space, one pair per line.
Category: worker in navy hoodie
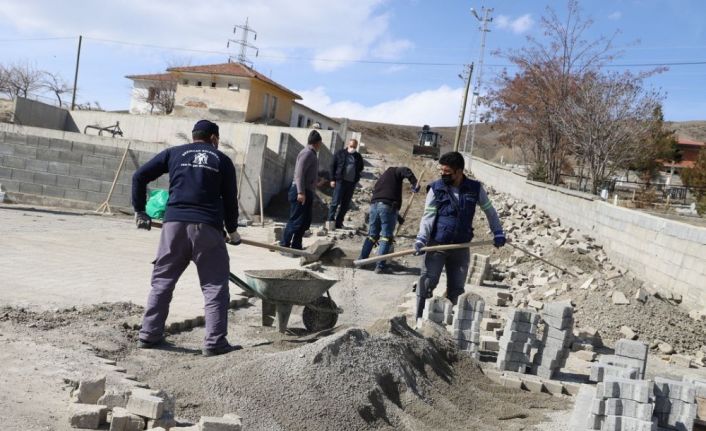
448,219
202,202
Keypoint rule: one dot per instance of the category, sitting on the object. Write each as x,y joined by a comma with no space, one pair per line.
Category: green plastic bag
157,203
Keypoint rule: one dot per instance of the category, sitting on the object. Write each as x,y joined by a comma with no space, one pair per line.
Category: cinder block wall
60,172
668,253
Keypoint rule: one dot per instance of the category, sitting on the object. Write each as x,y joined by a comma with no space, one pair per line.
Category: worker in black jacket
345,170
384,211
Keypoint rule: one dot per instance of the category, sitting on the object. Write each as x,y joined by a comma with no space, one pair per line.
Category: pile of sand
386,377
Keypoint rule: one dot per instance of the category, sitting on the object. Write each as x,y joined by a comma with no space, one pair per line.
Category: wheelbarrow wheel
315,320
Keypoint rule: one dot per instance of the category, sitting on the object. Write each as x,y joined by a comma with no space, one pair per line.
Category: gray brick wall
65,172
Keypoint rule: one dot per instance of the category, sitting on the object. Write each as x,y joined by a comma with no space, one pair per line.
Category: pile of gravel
386,377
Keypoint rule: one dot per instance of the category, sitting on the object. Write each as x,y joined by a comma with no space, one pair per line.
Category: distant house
303,116
232,91
151,93
689,153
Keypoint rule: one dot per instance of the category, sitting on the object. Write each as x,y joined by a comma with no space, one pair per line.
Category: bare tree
22,80
525,103
607,119
56,85
160,95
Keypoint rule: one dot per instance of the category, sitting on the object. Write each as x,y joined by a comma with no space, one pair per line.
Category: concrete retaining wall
670,254
37,114
170,130
62,172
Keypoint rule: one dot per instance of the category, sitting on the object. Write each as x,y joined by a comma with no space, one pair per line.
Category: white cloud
285,28
518,25
438,107
391,49
615,15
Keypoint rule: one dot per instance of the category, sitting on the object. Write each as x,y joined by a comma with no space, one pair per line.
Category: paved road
53,259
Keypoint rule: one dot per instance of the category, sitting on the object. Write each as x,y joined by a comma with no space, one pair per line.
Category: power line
340,60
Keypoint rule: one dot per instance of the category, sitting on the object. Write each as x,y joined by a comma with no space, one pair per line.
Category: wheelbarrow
279,290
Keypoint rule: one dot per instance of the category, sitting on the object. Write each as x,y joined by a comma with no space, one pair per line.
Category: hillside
399,139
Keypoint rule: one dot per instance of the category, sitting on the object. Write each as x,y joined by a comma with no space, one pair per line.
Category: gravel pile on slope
388,377
658,319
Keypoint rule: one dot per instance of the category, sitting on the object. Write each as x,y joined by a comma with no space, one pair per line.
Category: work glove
400,219
418,245
416,188
143,221
499,239
233,238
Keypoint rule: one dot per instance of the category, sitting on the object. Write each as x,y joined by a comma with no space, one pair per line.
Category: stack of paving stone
517,341
479,269
628,362
675,404
622,404
466,323
556,340
435,309
700,388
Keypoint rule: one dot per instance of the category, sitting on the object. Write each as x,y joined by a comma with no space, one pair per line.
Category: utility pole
467,73
245,31
78,59
487,19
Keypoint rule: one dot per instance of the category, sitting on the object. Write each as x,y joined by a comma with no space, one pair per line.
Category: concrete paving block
515,336
544,372
631,349
674,389
114,398
515,346
580,415
555,322
493,375
208,423
468,315
123,420
466,325
521,327
470,301
681,361
586,355
630,408
554,387
490,324
637,390
145,405
532,385
561,309
87,416
624,362
518,315
619,423
511,382
572,388
599,372
510,356
90,389
472,336
489,343
167,421
468,346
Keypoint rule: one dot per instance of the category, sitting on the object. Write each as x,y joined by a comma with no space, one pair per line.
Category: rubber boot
383,248
368,245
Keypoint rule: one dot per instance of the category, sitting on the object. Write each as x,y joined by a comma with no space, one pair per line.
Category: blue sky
322,49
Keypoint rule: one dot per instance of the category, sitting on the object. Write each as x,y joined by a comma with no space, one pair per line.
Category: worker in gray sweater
301,193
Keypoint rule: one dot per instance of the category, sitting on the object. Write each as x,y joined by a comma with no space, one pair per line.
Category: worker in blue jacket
448,219
202,202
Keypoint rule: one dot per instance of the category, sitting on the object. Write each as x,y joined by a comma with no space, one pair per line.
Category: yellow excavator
428,144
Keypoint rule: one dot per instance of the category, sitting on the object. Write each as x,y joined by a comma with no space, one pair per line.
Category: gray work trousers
456,263
179,244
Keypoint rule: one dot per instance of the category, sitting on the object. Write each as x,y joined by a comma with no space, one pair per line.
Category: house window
185,82
273,110
233,87
198,83
213,85
152,94
300,121
308,122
